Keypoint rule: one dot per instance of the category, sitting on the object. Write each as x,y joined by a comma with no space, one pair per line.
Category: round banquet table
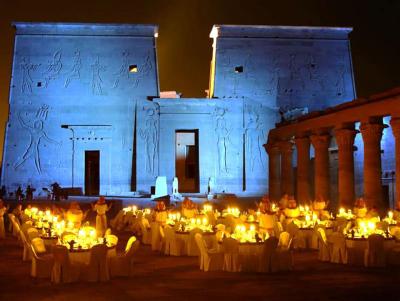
249,254
311,238
209,238
82,256
357,246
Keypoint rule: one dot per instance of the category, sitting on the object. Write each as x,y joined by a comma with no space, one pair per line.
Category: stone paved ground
159,277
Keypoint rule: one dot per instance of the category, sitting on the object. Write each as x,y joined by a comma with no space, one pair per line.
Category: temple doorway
187,160
92,172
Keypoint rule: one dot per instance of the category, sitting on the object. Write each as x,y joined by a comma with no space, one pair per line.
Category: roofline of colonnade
357,110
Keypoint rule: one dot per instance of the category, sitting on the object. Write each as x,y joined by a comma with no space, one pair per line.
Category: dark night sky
184,46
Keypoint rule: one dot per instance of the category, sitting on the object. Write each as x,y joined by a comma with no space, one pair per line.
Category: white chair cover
41,264
146,231
278,229
156,238
339,251
374,255
63,270
269,259
39,246
192,248
97,269
210,260
122,264
26,253
299,240
173,245
32,233
111,239
230,248
323,247
284,253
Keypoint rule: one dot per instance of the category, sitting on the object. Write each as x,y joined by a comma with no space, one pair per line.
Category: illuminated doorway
187,160
92,172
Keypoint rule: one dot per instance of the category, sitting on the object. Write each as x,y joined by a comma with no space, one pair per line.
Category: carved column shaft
372,134
345,142
303,166
286,150
321,173
395,124
273,170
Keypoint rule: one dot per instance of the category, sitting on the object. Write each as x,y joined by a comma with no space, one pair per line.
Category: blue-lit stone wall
271,69
78,77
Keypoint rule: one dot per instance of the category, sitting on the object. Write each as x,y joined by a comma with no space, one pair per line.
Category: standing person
29,193
101,209
18,194
3,192
3,210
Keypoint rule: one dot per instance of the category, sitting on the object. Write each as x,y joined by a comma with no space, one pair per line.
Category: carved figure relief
255,137
150,135
97,82
53,68
27,81
75,72
123,71
295,70
37,133
272,83
340,80
223,140
144,70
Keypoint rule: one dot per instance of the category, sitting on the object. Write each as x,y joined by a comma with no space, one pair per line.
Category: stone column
372,134
286,150
274,182
303,167
395,124
321,165
345,142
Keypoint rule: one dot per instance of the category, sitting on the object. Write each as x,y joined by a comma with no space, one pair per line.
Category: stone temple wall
73,89
273,71
85,87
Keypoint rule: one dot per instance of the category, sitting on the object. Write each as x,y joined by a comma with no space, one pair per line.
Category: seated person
283,203
396,211
17,211
292,211
360,208
188,208
160,211
373,212
319,204
75,214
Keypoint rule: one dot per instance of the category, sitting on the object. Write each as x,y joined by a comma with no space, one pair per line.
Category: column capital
285,146
345,137
320,141
302,141
395,125
271,148
372,132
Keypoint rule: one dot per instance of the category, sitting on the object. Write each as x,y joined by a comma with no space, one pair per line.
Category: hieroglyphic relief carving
340,83
314,73
223,138
273,81
53,68
75,71
123,71
295,70
143,71
37,133
150,135
27,81
97,82
255,136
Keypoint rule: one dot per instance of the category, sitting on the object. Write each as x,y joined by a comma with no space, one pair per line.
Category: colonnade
281,172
